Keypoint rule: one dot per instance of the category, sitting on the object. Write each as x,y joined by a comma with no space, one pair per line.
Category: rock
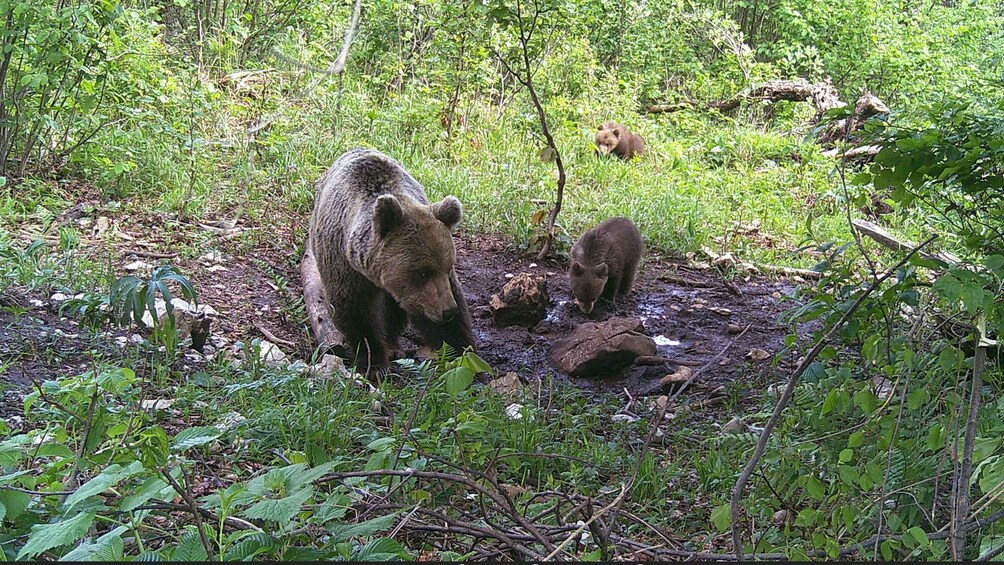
506,385
138,266
732,426
663,340
329,366
523,301
601,348
677,378
734,328
217,268
270,353
757,354
514,411
782,517
211,257
59,297
157,403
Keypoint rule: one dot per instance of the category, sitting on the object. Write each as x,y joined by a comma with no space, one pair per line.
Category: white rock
157,403
514,411
663,340
212,257
230,420
136,338
36,303
138,266
733,425
217,268
329,366
59,297
270,353
627,418
121,341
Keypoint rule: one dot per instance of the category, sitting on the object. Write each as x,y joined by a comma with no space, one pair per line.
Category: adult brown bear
385,256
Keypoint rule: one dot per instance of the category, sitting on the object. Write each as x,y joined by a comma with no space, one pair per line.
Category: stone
270,353
595,349
523,301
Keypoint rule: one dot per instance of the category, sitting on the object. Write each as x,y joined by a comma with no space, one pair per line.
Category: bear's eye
422,275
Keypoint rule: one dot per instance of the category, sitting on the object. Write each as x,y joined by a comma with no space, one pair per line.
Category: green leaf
845,455
256,543
343,532
153,487
973,297
807,517
917,398
848,474
192,437
856,439
381,549
721,517
815,487
110,476
475,363
936,437
279,510
458,379
190,548
948,287
14,502
917,533
47,536
106,548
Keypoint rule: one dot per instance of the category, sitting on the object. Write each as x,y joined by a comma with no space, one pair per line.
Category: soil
259,290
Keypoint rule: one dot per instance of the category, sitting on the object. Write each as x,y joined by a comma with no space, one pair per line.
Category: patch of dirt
687,322
692,314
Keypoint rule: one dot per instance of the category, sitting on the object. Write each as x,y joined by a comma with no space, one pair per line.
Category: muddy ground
692,316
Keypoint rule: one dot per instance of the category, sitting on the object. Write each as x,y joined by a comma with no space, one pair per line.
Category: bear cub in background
385,256
605,261
612,137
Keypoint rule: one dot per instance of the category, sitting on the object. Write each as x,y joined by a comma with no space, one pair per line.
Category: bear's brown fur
385,256
605,261
611,137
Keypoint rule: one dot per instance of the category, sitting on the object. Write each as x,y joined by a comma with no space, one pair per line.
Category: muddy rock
523,301
601,348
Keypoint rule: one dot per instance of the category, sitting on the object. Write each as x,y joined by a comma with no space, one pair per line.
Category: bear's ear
577,269
617,133
387,214
602,270
449,211
599,127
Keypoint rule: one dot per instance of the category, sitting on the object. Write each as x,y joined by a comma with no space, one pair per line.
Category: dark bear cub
385,256
605,261
612,137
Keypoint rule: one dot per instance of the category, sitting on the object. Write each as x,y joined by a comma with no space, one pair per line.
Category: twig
961,507
272,337
232,521
625,488
790,390
150,254
196,514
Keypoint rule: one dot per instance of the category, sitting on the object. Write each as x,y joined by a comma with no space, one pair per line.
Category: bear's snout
449,314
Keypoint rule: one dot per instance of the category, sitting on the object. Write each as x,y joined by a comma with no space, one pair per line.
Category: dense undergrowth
185,111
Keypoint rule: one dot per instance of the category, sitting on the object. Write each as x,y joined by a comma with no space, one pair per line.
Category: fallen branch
790,390
885,238
150,254
272,337
319,307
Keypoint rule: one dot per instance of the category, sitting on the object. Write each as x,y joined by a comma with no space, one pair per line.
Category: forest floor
693,313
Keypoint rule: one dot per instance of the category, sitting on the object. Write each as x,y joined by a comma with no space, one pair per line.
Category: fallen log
319,308
885,238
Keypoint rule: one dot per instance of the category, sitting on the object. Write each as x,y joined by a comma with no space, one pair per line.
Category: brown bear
612,137
605,261
385,256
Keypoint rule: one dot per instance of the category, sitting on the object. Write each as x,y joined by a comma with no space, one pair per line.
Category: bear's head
588,283
414,254
607,139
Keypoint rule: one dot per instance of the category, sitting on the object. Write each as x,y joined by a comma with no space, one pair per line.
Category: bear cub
385,257
605,261
611,137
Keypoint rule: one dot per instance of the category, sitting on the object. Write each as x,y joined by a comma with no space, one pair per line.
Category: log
319,308
879,234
